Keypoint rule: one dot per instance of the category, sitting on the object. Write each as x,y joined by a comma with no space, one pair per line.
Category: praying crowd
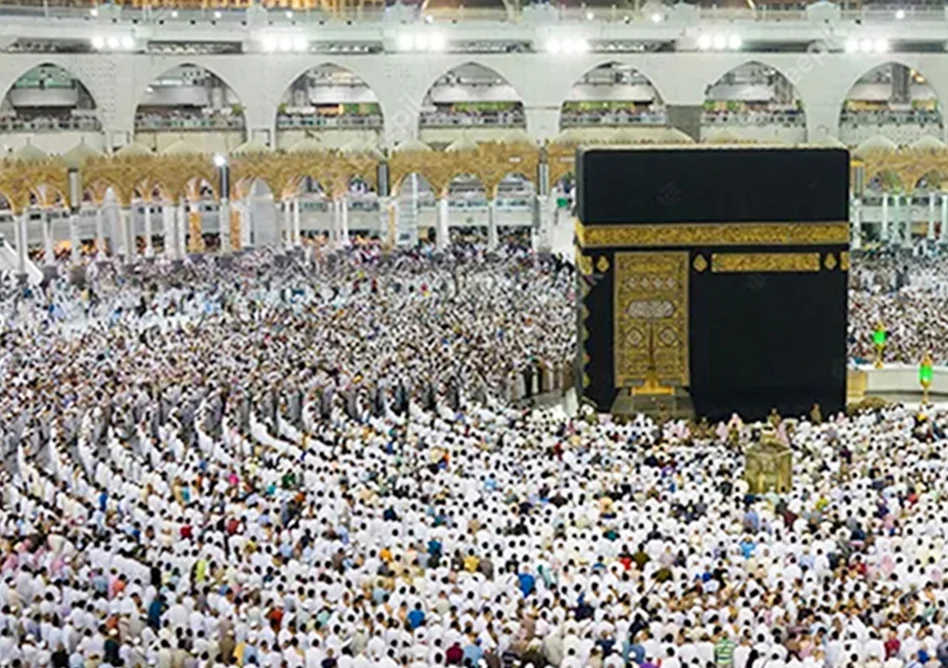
285,463
907,301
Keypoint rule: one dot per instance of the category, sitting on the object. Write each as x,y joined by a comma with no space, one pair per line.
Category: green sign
878,337
925,373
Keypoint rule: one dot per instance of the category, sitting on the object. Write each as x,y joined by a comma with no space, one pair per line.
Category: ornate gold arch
908,164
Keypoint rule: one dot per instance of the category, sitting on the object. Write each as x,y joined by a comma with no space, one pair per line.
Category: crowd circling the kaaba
330,462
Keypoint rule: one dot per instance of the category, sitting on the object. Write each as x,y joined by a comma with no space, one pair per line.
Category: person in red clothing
892,645
454,656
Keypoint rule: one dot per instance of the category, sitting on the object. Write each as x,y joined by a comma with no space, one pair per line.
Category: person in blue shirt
473,652
416,617
526,582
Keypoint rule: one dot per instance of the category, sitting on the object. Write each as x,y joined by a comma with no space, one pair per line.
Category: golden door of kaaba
700,272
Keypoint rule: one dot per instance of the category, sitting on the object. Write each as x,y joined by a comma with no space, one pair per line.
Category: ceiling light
881,46
865,45
300,44
554,46
720,41
289,14
217,15
656,18
174,13
286,45
98,42
269,44
220,160
590,16
404,43
421,42
437,42
852,45
93,12
128,43
900,14
112,42
734,42
704,42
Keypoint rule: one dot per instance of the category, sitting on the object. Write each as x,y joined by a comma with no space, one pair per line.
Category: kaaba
715,273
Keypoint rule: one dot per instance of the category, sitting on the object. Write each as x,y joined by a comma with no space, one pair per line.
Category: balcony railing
500,119
752,118
196,123
612,119
330,122
891,117
71,124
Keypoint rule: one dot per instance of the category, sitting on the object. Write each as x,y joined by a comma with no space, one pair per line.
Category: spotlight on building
174,13
269,44
852,45
734,42
881,46
94,12
405,42
704,42
866,46
657,18
128,43
436,42
112,42
220,160
98,42
900,14
300,44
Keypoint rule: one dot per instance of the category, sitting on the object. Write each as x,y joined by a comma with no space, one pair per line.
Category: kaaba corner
719,273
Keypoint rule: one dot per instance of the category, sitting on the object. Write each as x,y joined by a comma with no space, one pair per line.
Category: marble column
49,250
943,232
905,211
443,233
931,217
856,224
74,241
19,238
181,230
492,232
344,220
884,229
246,220
128,234
286,231
100,248
149,232
223,222
297,227
544,223
169,231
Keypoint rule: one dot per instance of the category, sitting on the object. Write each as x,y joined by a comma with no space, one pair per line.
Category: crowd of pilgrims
315,464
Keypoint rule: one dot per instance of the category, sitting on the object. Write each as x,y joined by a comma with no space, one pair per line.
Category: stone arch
930,182
754,100
466,185
885,181
613,67
880,108
368,114
510,180
444,103
50,71
142,93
